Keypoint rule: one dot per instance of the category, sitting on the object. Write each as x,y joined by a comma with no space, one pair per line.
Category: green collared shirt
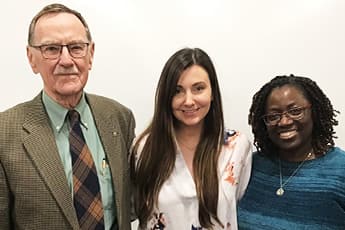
60,125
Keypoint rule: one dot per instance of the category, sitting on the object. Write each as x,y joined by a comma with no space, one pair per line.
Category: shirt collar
57,113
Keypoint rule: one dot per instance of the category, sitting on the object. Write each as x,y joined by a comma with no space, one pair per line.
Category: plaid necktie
86,191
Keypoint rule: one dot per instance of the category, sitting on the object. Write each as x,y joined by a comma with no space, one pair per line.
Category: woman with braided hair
298,174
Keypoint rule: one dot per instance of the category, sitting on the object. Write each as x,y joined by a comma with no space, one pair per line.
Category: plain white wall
249,41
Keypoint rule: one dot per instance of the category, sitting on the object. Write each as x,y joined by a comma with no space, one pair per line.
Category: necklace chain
280,191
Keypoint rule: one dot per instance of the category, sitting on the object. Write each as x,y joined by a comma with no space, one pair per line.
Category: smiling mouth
288,134
189,110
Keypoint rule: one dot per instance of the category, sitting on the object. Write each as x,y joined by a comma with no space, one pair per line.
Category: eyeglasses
294,114
53,51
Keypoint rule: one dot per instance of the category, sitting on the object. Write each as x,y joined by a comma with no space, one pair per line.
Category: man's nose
65,56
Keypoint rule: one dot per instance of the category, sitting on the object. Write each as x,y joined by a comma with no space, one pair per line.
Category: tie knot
73,116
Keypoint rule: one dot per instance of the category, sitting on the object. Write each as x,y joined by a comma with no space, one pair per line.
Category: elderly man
64,154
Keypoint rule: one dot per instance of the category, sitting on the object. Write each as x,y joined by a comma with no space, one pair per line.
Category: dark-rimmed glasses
295,114
53,51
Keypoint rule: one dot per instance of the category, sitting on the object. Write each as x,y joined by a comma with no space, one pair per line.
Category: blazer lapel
40,144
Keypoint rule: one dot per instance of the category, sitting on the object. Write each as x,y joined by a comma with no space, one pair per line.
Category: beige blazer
34,193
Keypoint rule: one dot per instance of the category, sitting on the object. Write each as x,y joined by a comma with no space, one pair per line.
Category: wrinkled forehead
59,27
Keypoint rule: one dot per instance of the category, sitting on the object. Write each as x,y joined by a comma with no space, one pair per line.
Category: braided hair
323,114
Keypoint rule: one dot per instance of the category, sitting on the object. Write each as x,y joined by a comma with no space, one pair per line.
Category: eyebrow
199,82
50,42
193,85
289,107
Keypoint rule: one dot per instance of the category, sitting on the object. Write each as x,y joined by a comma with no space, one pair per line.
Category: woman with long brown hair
187,168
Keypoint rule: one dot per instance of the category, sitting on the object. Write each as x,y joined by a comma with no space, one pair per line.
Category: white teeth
289,134
189,111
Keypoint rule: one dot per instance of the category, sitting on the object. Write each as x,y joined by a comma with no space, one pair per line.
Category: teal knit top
313,199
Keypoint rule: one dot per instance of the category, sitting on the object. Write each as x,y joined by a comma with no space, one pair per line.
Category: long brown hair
158,155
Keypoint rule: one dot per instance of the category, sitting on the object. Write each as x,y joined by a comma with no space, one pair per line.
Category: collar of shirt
57,113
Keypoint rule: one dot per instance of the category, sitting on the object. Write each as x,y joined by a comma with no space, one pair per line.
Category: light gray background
250,41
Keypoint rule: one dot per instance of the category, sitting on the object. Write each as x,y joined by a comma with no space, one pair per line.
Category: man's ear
32,59
92,51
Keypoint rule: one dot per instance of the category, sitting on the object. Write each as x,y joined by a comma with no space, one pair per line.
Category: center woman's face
193,97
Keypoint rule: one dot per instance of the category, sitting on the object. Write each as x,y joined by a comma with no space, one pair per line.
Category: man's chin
70,92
